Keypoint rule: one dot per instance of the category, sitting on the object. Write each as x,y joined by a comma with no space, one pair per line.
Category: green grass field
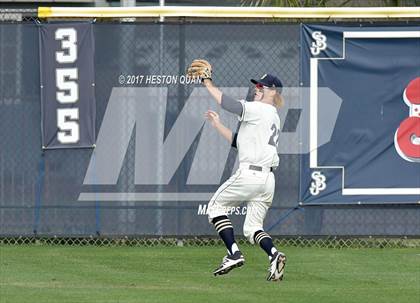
181,274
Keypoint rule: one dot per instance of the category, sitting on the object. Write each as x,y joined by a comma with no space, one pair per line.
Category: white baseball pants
256,188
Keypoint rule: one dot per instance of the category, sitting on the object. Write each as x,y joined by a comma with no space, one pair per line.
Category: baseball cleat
276,268
230,262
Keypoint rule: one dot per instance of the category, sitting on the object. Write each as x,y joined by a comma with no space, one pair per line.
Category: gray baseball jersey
258,135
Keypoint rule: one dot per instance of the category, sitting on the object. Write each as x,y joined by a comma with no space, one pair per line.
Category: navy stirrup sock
225,229
265,241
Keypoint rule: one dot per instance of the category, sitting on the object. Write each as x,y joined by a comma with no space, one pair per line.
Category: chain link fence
323,242
39,189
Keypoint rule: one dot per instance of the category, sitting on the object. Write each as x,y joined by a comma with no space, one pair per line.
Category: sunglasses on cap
259,86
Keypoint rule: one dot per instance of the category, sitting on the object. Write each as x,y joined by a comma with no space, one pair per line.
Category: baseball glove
200,68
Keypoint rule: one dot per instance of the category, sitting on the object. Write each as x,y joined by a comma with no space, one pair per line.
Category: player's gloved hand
213,117
200,68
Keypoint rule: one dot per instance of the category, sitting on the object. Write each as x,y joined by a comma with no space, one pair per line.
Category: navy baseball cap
269,81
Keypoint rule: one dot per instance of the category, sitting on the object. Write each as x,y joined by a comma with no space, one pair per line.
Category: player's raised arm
202,69
213,90
227,103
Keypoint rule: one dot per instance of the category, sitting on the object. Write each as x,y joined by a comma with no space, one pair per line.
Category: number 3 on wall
67,87
68,38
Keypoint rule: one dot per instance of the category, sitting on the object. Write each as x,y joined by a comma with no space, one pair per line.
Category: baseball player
253,183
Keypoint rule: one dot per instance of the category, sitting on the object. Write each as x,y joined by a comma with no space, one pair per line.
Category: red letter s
407,136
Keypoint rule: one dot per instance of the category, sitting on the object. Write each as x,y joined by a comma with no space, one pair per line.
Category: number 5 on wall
67,123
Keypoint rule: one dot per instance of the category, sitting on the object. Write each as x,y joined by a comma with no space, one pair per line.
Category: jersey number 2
274,139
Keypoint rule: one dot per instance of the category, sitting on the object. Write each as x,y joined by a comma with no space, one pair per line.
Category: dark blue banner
373,154
67,85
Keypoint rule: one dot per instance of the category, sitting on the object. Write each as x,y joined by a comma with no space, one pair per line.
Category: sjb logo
318,184
319,44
